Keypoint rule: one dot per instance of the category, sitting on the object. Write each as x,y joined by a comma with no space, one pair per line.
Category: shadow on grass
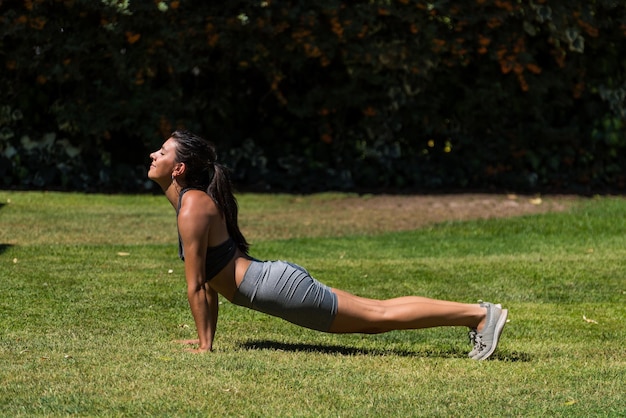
513,356
4,247
450,352
321,348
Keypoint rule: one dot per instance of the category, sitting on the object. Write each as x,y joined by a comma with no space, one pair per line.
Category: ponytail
220,190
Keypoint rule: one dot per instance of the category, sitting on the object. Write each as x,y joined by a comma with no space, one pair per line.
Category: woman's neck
172,193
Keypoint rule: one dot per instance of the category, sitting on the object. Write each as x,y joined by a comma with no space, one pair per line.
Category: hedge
307,96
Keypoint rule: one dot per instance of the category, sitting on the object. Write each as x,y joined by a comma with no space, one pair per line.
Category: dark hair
205,173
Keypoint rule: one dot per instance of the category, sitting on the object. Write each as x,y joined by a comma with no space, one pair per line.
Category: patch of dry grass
326,215
63,218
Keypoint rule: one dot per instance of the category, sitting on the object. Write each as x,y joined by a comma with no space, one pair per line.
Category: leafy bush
335,94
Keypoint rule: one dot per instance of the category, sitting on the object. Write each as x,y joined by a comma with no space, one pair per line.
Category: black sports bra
216,257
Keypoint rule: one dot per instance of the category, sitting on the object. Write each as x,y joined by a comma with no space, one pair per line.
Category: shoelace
472,336
479,344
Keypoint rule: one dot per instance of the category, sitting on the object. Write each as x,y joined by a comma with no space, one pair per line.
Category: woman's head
199,157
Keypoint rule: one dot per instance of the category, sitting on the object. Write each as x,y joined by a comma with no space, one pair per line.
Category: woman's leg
371,316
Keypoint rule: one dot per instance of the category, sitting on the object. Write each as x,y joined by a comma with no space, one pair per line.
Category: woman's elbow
195,289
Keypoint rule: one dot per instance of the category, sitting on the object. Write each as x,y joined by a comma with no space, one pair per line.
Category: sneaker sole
496,335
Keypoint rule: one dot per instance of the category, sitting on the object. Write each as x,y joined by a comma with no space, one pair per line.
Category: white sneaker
485,341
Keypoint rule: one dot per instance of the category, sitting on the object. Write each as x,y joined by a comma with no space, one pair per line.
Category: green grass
89,310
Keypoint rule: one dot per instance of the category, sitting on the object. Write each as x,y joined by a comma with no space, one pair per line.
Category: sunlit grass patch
88,315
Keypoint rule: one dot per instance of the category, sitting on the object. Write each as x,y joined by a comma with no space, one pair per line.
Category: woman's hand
187,342
197,350
190,349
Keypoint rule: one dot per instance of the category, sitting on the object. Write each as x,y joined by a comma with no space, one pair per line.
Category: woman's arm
212,298
193,226
204,310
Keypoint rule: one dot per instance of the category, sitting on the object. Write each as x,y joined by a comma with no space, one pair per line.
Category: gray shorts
288,291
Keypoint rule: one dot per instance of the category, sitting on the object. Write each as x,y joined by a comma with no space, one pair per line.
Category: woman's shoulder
197,203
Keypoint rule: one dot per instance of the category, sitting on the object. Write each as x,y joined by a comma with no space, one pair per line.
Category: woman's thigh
357,314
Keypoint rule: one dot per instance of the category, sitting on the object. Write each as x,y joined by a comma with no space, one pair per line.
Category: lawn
93,296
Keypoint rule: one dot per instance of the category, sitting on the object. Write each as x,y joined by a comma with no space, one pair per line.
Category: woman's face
163,162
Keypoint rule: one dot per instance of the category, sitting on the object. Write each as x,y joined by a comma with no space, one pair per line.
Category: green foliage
322,95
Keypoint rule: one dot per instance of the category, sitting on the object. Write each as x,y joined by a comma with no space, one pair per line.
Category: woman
216,259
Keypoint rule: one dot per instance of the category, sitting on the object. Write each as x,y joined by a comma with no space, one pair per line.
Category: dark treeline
526,96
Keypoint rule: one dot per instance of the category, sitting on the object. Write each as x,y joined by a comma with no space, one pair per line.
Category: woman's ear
179,170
